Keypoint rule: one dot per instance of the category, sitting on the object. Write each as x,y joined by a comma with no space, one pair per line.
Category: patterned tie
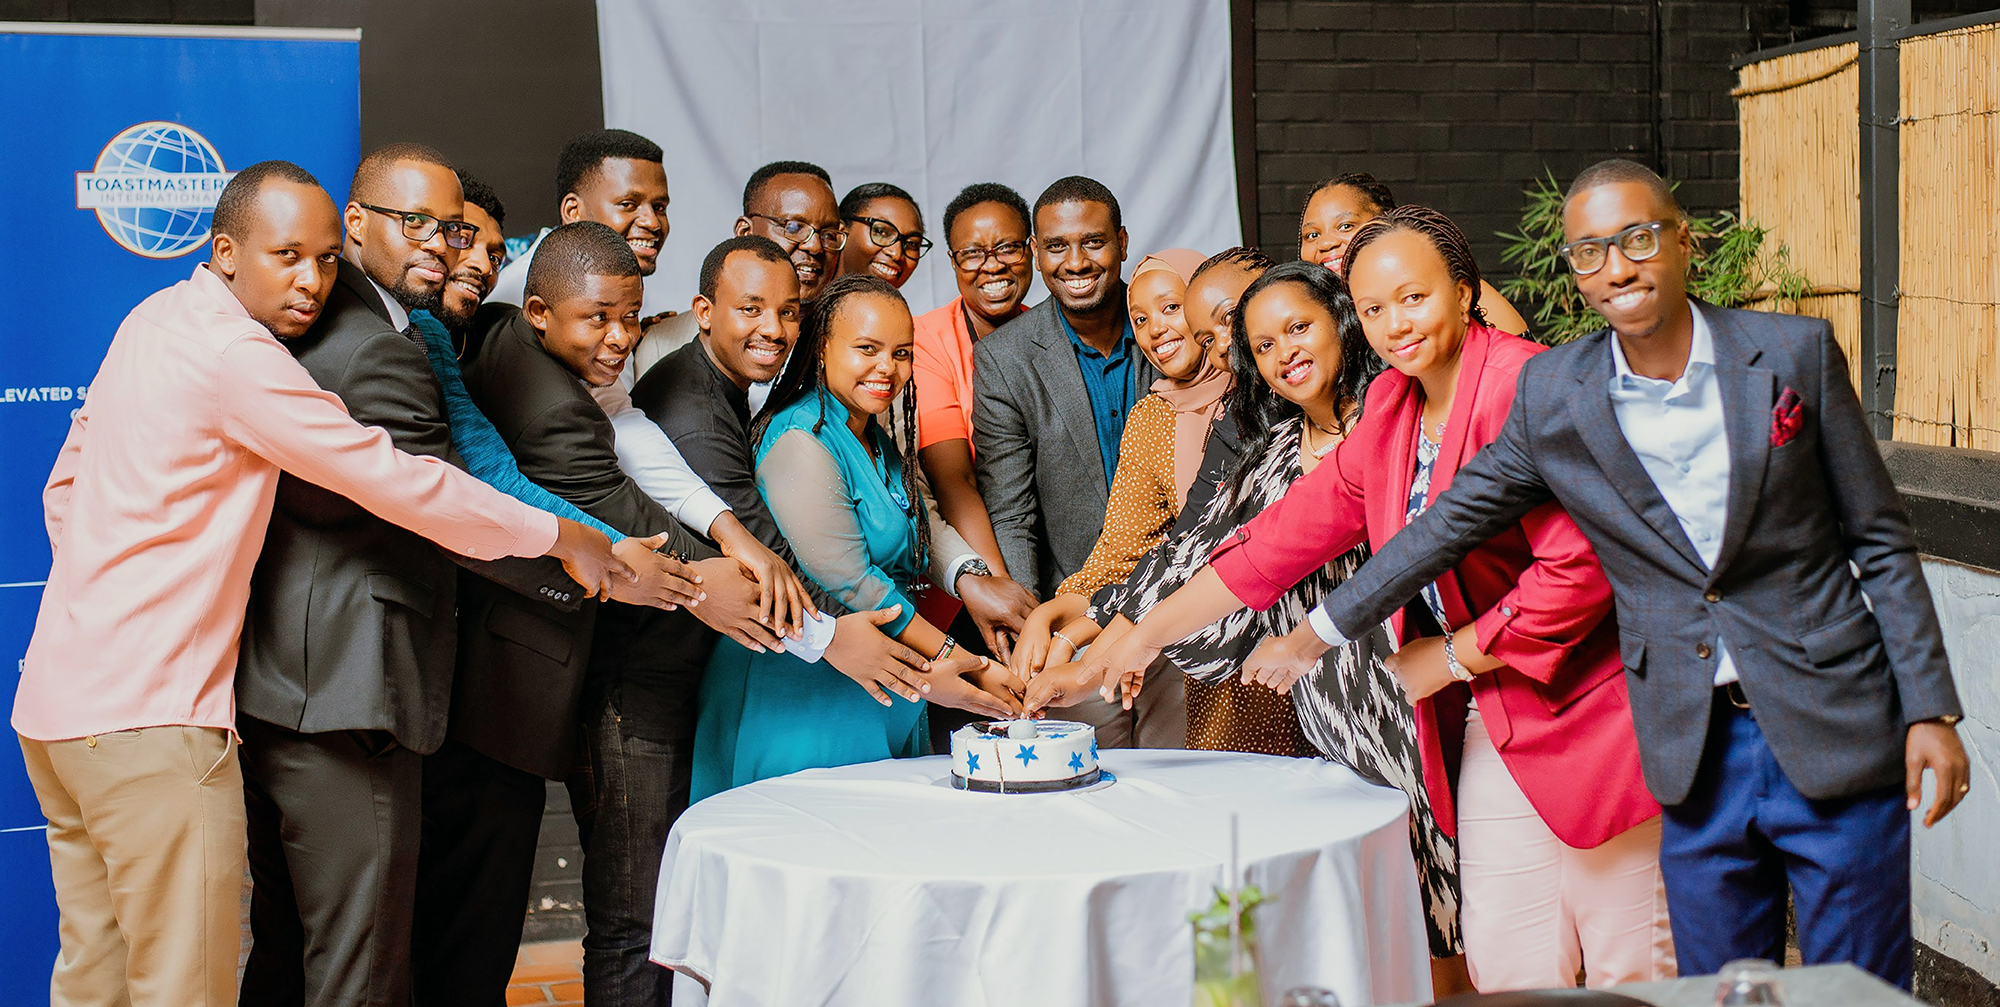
411,333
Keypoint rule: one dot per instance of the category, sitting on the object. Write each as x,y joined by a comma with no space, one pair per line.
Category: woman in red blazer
1527,744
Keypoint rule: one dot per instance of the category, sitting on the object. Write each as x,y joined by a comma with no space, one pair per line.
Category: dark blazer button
1701,650
1712,596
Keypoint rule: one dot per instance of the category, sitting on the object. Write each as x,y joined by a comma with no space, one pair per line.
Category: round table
879,885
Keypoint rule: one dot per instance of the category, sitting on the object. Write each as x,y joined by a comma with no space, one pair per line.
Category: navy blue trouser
1729,850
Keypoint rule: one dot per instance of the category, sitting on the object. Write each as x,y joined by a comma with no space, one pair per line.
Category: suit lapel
1063,377
1747,394
1597,425
350,275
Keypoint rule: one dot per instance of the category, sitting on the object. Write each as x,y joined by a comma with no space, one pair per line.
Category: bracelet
945,651
1451,662
1058,634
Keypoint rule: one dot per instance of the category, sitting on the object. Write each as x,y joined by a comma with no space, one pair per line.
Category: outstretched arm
1004,463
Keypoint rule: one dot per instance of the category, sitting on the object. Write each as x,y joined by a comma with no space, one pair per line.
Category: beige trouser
1535,909
146,842
1158,718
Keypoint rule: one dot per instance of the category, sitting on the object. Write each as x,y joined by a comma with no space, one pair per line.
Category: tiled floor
547,974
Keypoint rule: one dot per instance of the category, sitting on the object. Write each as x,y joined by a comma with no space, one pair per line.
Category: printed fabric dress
844,513
1350,707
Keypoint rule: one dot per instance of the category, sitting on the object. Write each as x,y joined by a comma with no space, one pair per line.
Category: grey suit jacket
350,624
524,668
1834,684
1035,447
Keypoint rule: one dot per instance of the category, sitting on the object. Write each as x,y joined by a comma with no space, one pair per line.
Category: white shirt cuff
1322,624
813,641
700,509
956,569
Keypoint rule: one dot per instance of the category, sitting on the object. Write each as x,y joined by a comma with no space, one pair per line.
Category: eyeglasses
420,226
1639,243
798,232
882,234
1012,253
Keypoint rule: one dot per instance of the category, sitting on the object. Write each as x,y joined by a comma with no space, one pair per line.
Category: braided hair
1240,256
805,374
1443,235
1257,409
1362,182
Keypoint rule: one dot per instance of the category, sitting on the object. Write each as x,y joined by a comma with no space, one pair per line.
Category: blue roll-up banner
118,141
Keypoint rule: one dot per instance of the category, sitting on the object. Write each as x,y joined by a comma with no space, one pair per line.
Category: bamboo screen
1801,176
1948,325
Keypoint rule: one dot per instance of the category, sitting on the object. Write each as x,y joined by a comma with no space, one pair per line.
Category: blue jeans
1744,833
626,792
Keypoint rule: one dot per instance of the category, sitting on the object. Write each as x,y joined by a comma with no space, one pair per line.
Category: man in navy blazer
1788,675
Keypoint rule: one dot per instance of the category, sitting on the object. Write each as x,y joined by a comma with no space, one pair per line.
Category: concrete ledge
1953,496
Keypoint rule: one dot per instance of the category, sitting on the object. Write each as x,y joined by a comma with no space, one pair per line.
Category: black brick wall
1459,105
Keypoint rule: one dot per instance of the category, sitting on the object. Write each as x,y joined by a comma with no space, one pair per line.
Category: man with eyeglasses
347,657
1788,676
791,203
1051,390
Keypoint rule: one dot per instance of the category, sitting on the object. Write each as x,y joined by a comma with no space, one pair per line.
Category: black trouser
334,820
481,822
626,792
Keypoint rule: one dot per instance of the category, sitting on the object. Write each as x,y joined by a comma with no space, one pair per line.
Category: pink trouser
1536,910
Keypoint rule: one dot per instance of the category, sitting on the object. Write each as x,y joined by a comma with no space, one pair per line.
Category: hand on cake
1031,648
952,683
1119,665
1060,685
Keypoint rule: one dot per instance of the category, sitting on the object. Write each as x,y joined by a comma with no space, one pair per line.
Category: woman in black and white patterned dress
1351,709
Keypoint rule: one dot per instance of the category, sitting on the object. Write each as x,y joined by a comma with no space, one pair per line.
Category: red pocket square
1788,417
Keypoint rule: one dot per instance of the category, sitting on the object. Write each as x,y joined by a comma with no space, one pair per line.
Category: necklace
1324,450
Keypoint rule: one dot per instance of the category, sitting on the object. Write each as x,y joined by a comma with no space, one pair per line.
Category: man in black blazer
1788,675
1050,393
345,670
633,710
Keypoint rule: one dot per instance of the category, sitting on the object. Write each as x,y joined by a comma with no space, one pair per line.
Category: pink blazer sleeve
1559,600
1320,517
274,408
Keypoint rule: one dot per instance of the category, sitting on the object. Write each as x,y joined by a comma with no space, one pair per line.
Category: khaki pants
146,845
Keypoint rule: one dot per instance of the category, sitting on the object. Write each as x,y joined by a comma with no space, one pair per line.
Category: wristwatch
975,567
1451,662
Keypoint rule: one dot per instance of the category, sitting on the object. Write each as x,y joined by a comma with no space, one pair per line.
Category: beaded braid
908,447
1444,236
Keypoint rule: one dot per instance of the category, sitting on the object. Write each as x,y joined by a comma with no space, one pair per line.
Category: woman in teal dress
836,483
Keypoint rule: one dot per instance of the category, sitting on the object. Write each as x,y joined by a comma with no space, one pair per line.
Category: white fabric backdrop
932,95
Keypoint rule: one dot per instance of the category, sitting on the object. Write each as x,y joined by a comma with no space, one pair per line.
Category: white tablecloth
876,886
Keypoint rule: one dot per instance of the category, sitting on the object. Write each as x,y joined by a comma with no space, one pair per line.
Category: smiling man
614,177
1051,390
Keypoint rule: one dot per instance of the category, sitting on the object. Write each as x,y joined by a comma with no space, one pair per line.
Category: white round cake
1024,756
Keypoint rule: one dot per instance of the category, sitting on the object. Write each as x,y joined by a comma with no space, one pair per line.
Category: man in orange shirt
156,510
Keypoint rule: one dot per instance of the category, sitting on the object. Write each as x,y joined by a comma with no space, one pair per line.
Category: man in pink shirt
156,512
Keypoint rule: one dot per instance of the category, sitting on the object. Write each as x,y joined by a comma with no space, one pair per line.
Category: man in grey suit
1051,390
1788,676
345,669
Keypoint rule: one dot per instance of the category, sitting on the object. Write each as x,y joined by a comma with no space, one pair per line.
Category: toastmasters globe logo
154,188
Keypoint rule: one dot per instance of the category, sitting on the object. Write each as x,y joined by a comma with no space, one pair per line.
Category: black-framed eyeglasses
420,226
1639,243
1010,253
882,234
798,232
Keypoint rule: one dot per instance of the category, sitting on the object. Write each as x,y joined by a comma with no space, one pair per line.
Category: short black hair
985,192
370,174
1361,182
1078,189
583,155
481,195
233,208
763,176
1617,170
573,251
756,244
858,198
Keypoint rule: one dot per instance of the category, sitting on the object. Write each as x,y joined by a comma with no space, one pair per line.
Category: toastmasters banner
117,141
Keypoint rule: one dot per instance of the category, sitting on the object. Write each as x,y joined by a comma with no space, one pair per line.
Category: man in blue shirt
1051,390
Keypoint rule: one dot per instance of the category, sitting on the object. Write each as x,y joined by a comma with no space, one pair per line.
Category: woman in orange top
986,230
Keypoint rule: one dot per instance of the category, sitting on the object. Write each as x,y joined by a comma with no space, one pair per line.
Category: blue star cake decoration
1076,762
971,762
1026,754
